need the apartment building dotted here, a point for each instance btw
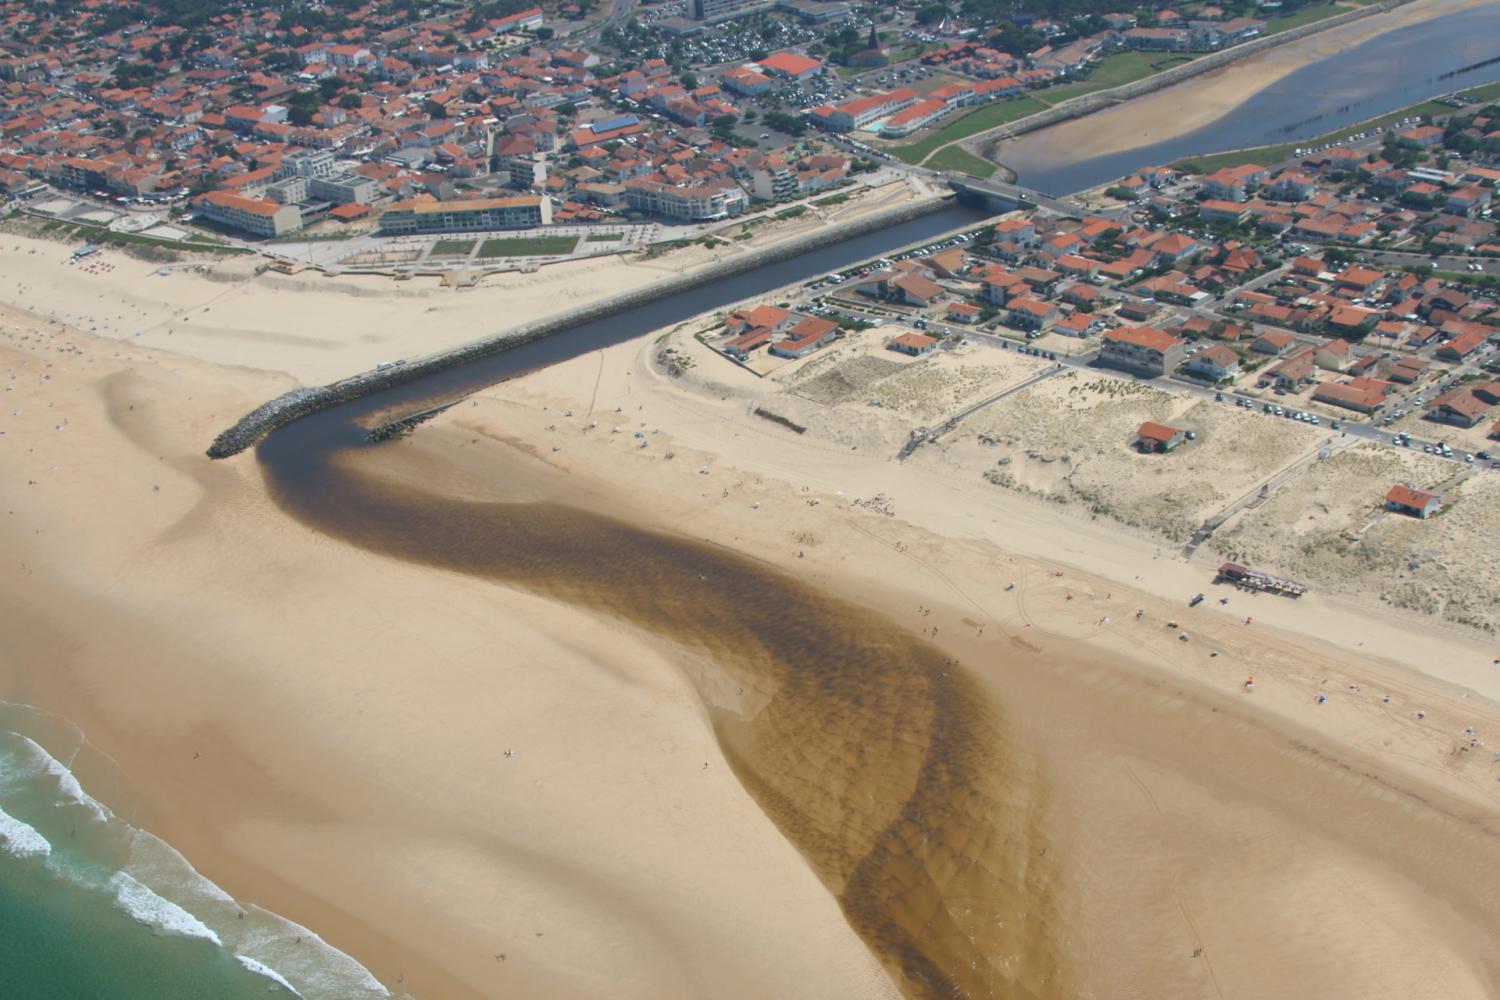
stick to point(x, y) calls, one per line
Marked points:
point(1142, 350)
point(259, 218)
point(464, 216)
point(344, 188)
point(862, 111)
point(712, 11)
point(695, 203)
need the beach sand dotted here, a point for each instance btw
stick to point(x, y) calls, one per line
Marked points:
point(350, 712)
point(1203, 100)
point(317, 328)
point(322, 731)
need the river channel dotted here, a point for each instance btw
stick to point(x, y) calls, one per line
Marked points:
point(1391, 71)
point(870, 750)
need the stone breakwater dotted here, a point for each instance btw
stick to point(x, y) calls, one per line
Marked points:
point(1087, 104)
point(306, 400)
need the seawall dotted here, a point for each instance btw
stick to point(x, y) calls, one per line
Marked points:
point(306, 400)
point(1087, 104)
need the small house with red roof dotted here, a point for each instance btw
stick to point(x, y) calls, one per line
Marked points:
point(1405, 499)
point(1154, 437)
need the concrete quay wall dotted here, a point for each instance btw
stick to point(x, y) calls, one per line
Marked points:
point(306, 400)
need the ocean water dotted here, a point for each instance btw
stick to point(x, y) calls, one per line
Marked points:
point(92, 907)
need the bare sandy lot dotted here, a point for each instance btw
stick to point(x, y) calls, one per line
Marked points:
point(1329, 527)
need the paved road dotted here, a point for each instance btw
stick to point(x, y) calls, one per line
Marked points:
point(1486, 265)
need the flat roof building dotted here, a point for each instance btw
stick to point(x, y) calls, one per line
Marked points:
point(477, 215)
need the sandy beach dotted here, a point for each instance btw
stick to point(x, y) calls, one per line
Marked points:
point(316, 328)
point(1202, 100)
point(322, 729)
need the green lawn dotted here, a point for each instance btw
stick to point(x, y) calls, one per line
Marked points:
point(1306, 15)
point(986, 117)
point(528, 246)
point(1488, 92)
point(960, 159)
point(452, 248)
point(1114, 71)
point(604, 237)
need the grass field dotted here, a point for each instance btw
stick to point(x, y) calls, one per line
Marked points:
point(528, 246)
point(1114, 71)
point(1307, 15)
point(604, 237)
point(105, 237)
point(986, 117)
point(960, 159)
point(452, 248)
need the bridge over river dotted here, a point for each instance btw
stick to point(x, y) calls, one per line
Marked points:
point(1000, 196)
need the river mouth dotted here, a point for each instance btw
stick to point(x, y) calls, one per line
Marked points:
point(870, 749)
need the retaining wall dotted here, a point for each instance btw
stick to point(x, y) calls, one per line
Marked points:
point(306, 400)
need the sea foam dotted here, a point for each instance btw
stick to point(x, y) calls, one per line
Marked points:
point(158, 887)
point(20, 840)
point(33, 761)
point(149, 908)
point(268, 972)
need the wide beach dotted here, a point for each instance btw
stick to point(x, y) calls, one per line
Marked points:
point(325, 729)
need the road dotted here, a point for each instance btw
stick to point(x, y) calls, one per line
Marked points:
point(1486, 265)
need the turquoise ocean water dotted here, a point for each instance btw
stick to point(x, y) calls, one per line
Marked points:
point(92, 908)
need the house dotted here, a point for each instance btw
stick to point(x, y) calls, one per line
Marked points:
point(1333, 356)
point(1078, 324)
point(1219, 210)
point(1359, 279)
point(1408, 370)
point(1422, 135)
point(1289, 376)
point(806, 337)
point(1152, 436)
point(772, 318)
point(1233, 183)
point(1175, 247)
point(1137, 310)
point(913, 289)
point(740, 347)
point(1461, 347)
point(913, 344)
point(1215, 363)
point(1273, 342)
point(1409, 500)
point(1461, 408)
point(1026, 313)
point(1365, 395)
point(1142, 350)
point(963, 312)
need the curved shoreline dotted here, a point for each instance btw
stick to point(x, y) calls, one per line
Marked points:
point(1087, 104)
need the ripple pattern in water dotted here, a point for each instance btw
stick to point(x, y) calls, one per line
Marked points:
point(873, 754)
